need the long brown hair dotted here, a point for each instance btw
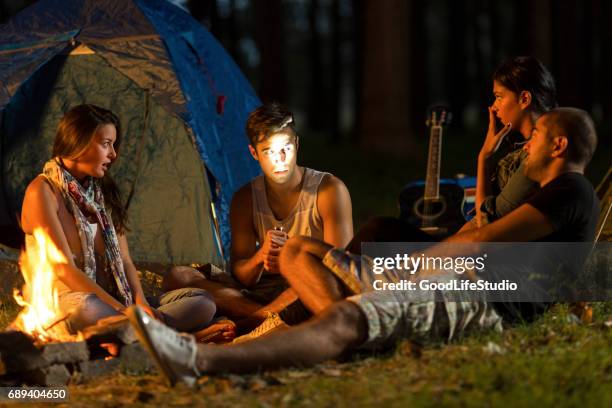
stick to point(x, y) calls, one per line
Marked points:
point(75, 132)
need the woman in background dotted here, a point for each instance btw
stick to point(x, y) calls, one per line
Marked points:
point(523, 90)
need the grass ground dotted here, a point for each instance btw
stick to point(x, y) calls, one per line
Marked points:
point(556, 361)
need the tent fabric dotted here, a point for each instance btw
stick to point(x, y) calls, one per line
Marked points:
point(19, 61)
point(157, 48)
point(171, 192)
point(197, 55)
point(145, 62)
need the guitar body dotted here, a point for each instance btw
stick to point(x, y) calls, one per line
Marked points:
point(437, 206)
point(440, 217)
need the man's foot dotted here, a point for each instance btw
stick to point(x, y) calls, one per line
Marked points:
point(173, 352)
point(272, 323)
point(220, 331)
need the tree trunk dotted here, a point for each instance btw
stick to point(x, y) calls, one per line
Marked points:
point(233, 34)
point(602, 79)
point(205, 11)
point(568, 59)
point(358, 40)
point(456, 68)
point(336, 74)
point(318, 95)
point(538, 29)
point(385, 103)
point(419, 75)
point(269, 35)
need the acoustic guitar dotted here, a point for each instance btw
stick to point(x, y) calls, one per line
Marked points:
point(438, 207)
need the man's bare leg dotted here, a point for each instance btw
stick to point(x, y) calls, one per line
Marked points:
point(228, 300)
point(301, 264)
point(283, 300)
point(336, 330)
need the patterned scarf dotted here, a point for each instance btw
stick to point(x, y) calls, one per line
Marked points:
point(86, 202)
point(507, 166)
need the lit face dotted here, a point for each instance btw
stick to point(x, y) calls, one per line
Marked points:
point(539, 150)
point(97, 157)
point(507, 106)
point(277, 156)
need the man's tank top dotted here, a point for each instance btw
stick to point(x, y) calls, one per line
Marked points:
point(304, 219)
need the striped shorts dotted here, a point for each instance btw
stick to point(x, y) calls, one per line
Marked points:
point(432, 316)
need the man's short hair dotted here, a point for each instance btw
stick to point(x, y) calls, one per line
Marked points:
point(267, 120)
point(579, 129)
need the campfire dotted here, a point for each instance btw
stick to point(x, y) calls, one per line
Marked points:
point(37, 348)
point(41, 317)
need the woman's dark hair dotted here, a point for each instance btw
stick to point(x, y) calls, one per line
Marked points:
point(75, 132)
point(528, 74)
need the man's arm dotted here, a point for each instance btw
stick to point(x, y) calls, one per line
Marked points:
point(526, 223)
point(335, 208)
point(246, 260)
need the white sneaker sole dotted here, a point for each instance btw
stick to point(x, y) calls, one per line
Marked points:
point(143, 336)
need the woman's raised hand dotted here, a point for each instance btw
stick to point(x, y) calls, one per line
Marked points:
point(493, 138)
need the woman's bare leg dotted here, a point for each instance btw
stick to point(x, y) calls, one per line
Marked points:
point(228, 300)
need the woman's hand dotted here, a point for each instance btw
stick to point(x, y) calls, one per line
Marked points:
point(493, 139)
point(151, 311)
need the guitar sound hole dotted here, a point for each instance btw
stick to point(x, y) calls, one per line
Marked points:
point(429, 209)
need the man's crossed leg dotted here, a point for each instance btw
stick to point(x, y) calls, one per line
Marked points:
point(300, 264)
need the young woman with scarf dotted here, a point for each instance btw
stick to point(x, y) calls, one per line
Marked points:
point(77, 204)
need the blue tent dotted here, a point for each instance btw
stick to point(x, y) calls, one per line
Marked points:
point(182, 100)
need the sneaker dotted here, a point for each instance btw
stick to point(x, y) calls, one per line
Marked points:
point(271, 323)
point(173, 352)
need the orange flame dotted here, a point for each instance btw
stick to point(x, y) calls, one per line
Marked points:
point(41, 313)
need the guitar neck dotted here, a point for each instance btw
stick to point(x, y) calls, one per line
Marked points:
point(432, 180)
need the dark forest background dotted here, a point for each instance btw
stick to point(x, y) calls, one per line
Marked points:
point(363, 72)
point(367, 70)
